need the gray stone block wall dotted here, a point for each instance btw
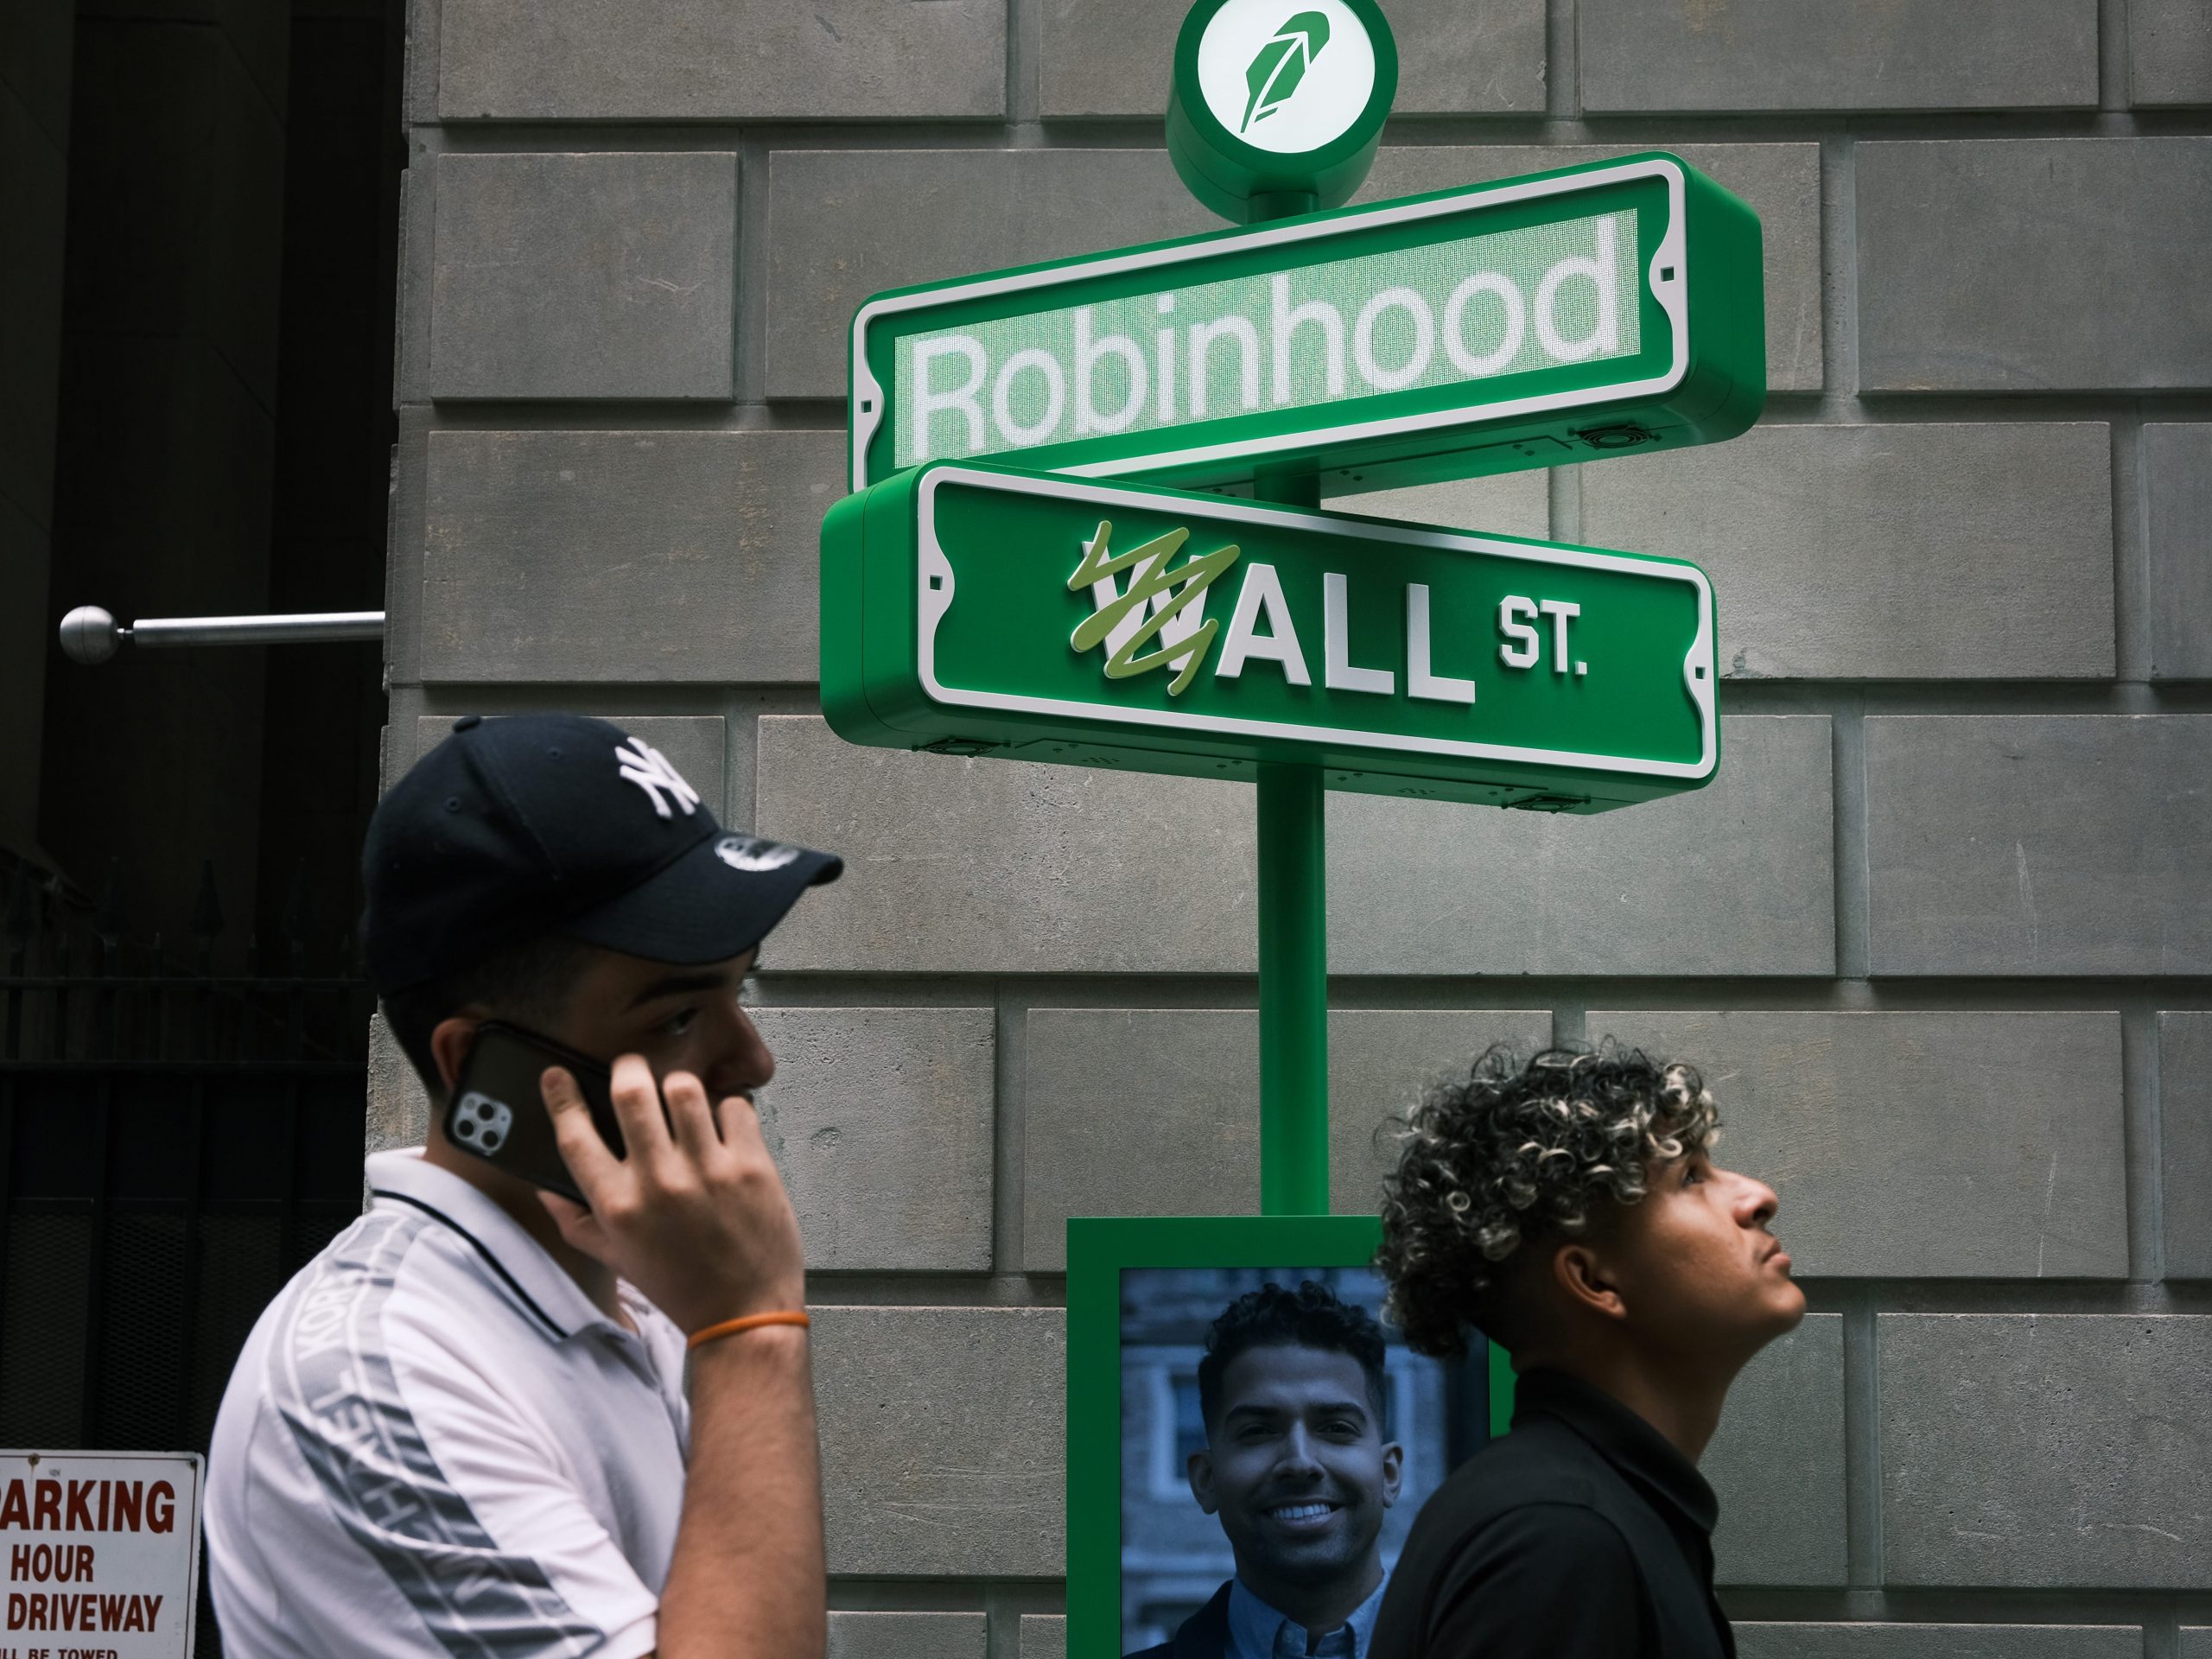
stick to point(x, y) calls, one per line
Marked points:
point(943, 1450)
point(908, 1635)
point(1778, 1465)
point(2027, 844)
point(2170, 52)
point(583, 276)
point(399, 1107)
point(2027, 1451)
point(1732, 878)
point(2024, 1161)
point(1909, 1641)
point(2177, 489)
point(1112, 57)
point(979, 868)
point(2184, 1058)
point(1864, 54)
point(1948, 230)
point(881, 1124)
point(850, 59)
point(716, 579)
point(1182, 1138)
point(1938, 932)
point(1816, 538)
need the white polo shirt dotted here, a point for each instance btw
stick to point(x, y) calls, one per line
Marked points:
point(434, 1443)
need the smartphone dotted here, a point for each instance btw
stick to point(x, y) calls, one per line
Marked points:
point(498, 1109)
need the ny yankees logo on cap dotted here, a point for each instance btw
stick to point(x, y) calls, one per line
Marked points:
point(649, 771)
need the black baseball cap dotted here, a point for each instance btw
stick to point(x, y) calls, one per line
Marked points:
point(561, 823)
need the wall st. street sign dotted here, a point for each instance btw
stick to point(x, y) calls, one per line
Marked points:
point(975, 609)
point(1522, 323)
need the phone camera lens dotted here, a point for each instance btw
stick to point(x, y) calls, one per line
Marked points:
point(491, 1141)
point(465, 1127)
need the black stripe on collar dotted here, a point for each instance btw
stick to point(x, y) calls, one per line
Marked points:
point(482, 1249)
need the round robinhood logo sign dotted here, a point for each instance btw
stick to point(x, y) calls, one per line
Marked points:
point(1276, 106)
point(1287, 76)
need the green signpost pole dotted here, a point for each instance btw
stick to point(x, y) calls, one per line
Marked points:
point(1292, 886)
point(1294, 995)
point(1293, 899)
point(1293, 966)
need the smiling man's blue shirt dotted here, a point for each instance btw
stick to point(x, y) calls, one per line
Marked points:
point(1258, 1632)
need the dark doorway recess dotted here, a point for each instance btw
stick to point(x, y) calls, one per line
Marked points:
point(224, 430)
point(197, 419)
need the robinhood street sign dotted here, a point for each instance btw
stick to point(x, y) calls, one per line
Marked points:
point(978, 610)
point(1522, 323)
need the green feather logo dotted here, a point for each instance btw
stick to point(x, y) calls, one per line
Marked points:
point(1281, 63)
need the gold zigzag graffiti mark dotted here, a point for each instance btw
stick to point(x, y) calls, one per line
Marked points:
point(1150, 583)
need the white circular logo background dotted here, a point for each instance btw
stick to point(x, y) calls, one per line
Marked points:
point(753, 855)
point(1325, 101)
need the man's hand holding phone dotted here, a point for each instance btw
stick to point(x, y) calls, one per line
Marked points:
point(694, 1214)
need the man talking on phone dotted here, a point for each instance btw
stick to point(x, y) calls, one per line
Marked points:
point(465, 1427)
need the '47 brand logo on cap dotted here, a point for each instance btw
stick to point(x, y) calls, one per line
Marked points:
point(754, 855)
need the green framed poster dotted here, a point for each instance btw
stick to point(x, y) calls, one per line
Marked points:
point(1307, 1454)
point(978, 610)
point(1526, 322)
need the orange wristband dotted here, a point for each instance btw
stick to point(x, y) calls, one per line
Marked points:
point(750, 1322)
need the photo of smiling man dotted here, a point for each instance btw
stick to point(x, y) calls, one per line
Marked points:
point(1294, 1459)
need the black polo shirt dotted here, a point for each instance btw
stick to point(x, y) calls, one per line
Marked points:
point(1583, 1534)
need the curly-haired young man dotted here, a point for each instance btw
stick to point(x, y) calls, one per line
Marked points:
point(1570, 1210)
point(1297, 1470)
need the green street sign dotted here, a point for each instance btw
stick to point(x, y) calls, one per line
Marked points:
point(1277, 105)
point(977, 610)
point(1524, 323)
